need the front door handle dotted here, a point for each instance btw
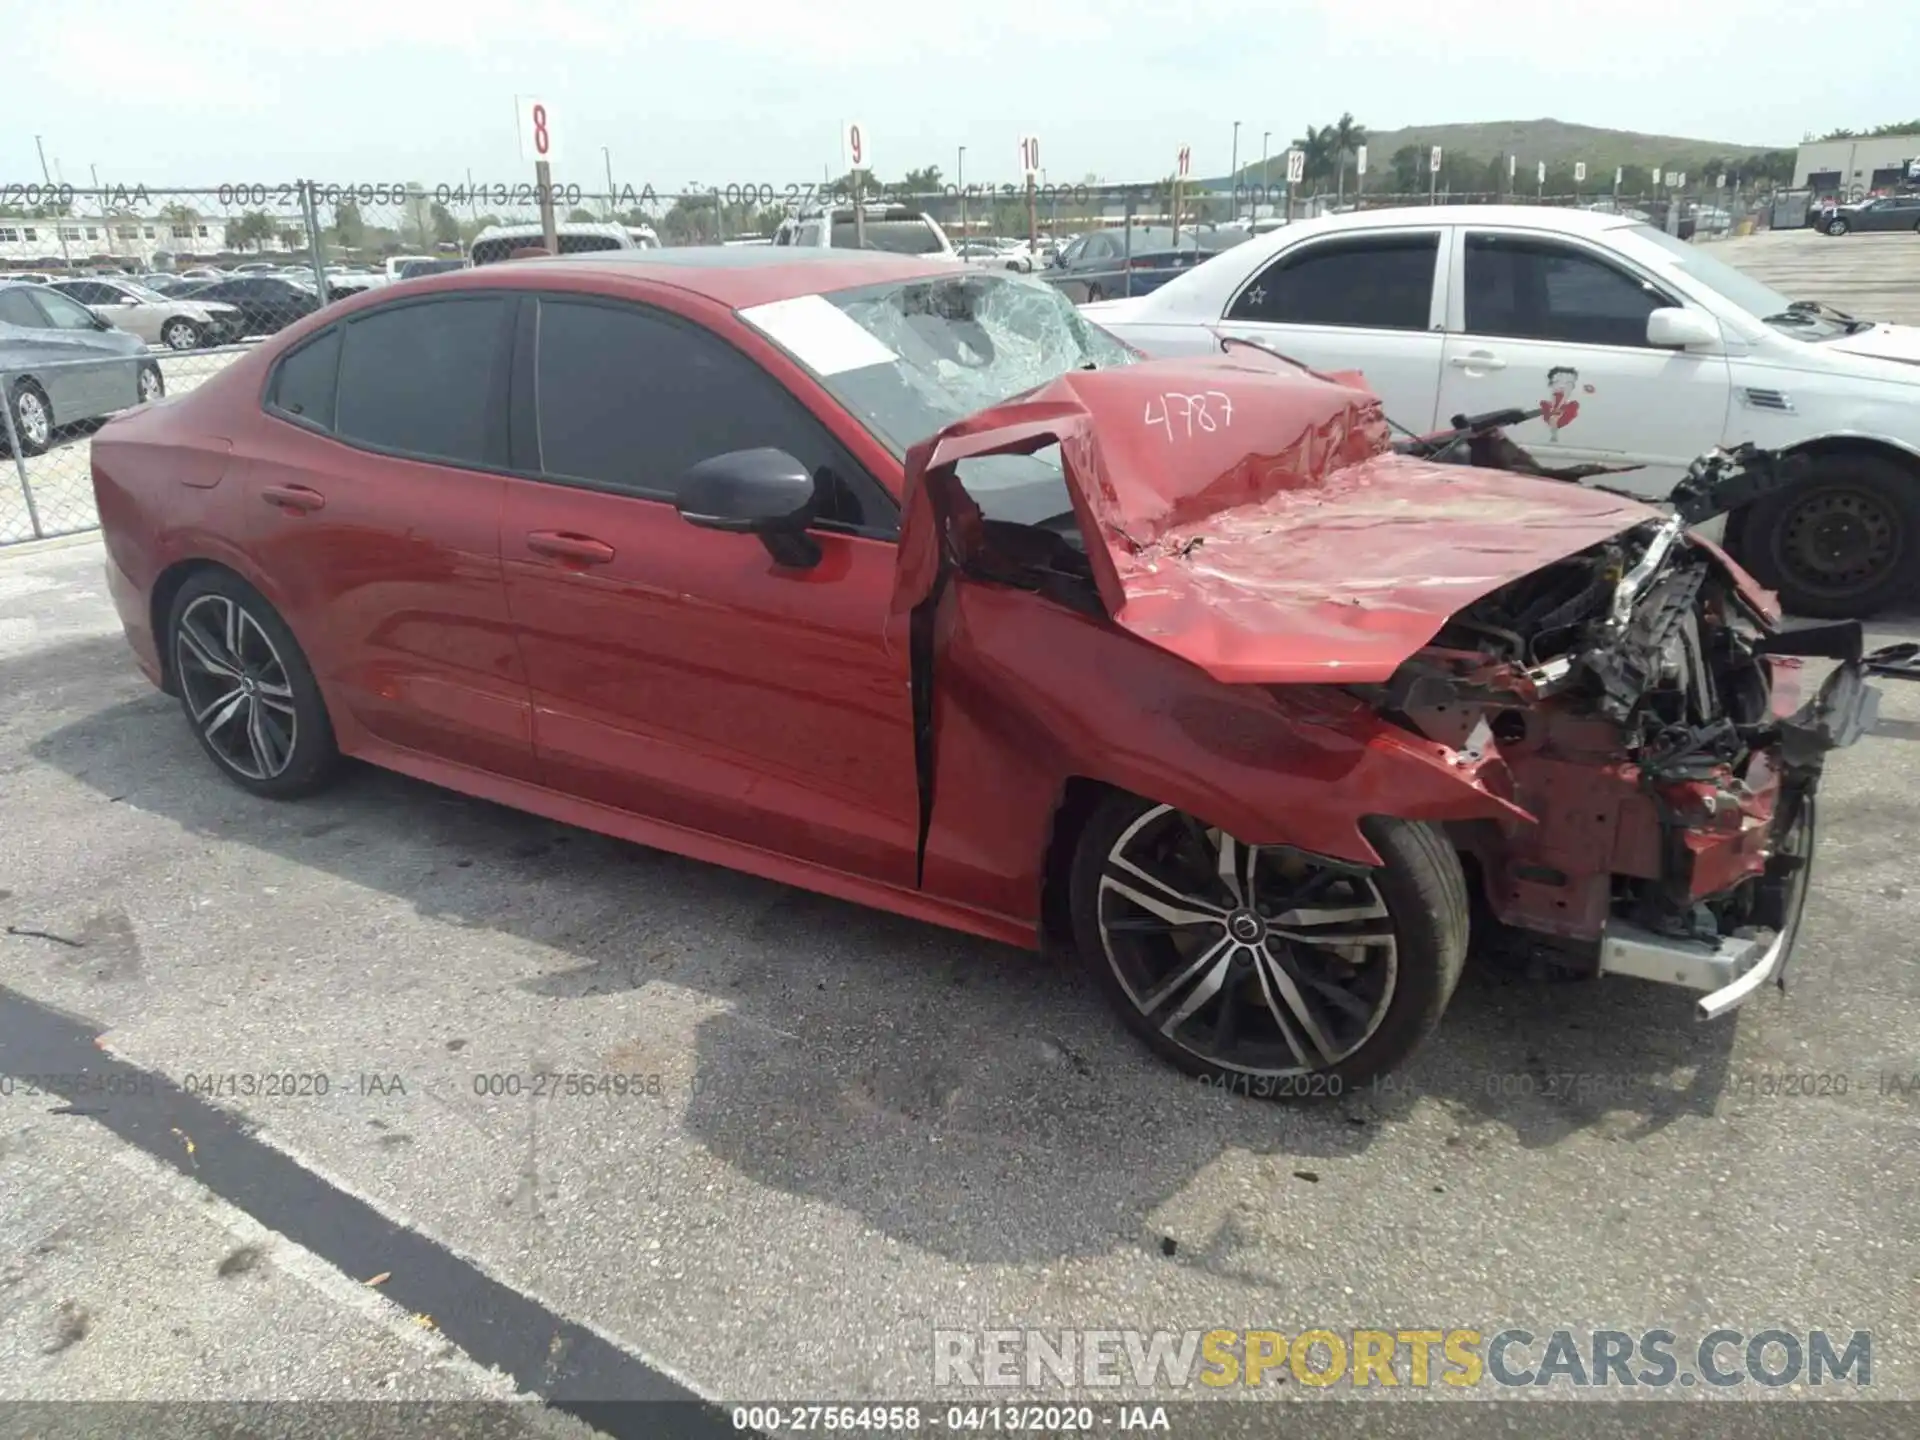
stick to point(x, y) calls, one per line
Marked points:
point(1478, 360)
point(563, 545)
point(293, 497)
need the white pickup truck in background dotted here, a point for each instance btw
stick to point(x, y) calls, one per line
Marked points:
point(1633, 347)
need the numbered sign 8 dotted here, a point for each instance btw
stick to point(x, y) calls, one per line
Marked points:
point(1296, 166)
point(537, 141)
point(856, 146)
point(1030, 156)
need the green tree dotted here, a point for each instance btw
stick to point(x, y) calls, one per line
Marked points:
point(446, 229)
point(922, 182)
point(580, 215)
point(251, 228)
point(348, 228)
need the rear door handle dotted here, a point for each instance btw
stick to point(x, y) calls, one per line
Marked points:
point(1478, 360)
point(564, 546)
point(293, 497)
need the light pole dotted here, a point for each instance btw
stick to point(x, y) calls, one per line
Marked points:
point(960, 184)
point(1234, 170)
point(1266, 177)
point(607, 155)
point(47, 175)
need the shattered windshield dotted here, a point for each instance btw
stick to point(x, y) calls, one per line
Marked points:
point(908, 358)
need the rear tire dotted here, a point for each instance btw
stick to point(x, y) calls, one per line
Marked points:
point(1843, 543)
point(152, 385)
point(1332, 976)
point(247, 690)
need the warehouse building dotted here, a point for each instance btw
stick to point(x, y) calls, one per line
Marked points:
point(1858, 167)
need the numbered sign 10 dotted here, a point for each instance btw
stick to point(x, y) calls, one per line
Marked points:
point(856, 146)
point(1030, 156)
point(537, 139)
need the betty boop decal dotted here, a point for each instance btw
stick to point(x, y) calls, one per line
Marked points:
point(1560, 409)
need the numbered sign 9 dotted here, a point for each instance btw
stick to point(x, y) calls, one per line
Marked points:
point(856, 146)
point(1296, 166)
point(1030, 156)
point(537, 139)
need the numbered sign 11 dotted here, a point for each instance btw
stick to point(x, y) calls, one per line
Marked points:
point(537, 139)
point(1185, 167)
point(856, 146)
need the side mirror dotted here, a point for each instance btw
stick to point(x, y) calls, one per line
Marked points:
point(762, 492)
point(1671, 328)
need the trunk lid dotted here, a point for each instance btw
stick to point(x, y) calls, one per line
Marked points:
point(1251, 519)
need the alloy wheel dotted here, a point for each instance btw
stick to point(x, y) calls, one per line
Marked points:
point(236, 687)
point(31, 415)
point(150, 386)
point(1838, 539)
point(181, 335)
point(1259, 960)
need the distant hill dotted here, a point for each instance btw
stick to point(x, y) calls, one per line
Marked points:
point(1554, 141)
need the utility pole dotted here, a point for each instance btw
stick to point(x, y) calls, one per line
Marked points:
point(1234, 171)
point(961, 186)
point(100, 199)
point(1266, 179)
point(47, 175)
point(607, 155)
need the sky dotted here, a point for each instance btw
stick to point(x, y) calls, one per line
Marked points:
point(209, 93)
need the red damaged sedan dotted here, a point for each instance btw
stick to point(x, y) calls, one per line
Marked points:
point(913, 587)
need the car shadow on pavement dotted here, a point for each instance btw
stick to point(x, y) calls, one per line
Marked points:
point(958, 1095)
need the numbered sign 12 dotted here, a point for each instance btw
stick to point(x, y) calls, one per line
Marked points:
point(537, 138)
point(1296, 166)
point(1030, 156)
point(856, 146)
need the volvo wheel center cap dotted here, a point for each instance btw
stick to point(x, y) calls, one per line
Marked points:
point(1245, 926)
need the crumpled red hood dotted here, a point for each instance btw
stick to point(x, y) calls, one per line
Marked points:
point(1252, 519)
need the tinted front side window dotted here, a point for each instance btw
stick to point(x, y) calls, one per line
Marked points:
point(64, 314)
point(633, 401)
point(418, 378)
point(1381, 282)
point(304, 384)
point(1537, 290)
point(17, 309)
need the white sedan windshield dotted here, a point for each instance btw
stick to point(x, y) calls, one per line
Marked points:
point(1758, 300)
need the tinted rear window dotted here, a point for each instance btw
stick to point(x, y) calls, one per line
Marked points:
point(417, 378)
point(901, 237)
point(304, 384)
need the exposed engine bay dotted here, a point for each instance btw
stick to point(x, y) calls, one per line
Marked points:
point(1642, 702)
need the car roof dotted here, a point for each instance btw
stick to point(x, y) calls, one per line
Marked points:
point(733, 275)
point(1541, 217)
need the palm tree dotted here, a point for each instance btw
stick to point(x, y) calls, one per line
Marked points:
point(1316, 148)
point(1347, 138)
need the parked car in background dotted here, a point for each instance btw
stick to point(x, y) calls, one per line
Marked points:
point(864, 573)
point(63, 364)
point(414, 269)
point(266, 303)
point(391, 267)
point(27, 277)
point(165, 282)
point(498, 242)
point(1098, 265)
point(1880, 213)
point(643, 237)
point(256, 267)
point(897, 229)
point(177, 323)
point(1634, 347)
point(204, 272)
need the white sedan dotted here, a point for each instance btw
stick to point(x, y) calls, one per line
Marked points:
point(155, 318)
point(1632, 348)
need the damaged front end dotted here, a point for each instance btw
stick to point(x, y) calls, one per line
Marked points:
point(1641, 702)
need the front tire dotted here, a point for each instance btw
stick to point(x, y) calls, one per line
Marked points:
point(150, 384)
point(1838, 227)
point(182, 335)
point(247, 690)
point(1264, 969)
point(32, 418)
point(1842, 544)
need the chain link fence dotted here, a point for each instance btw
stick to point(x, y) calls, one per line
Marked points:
point(167, 285)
